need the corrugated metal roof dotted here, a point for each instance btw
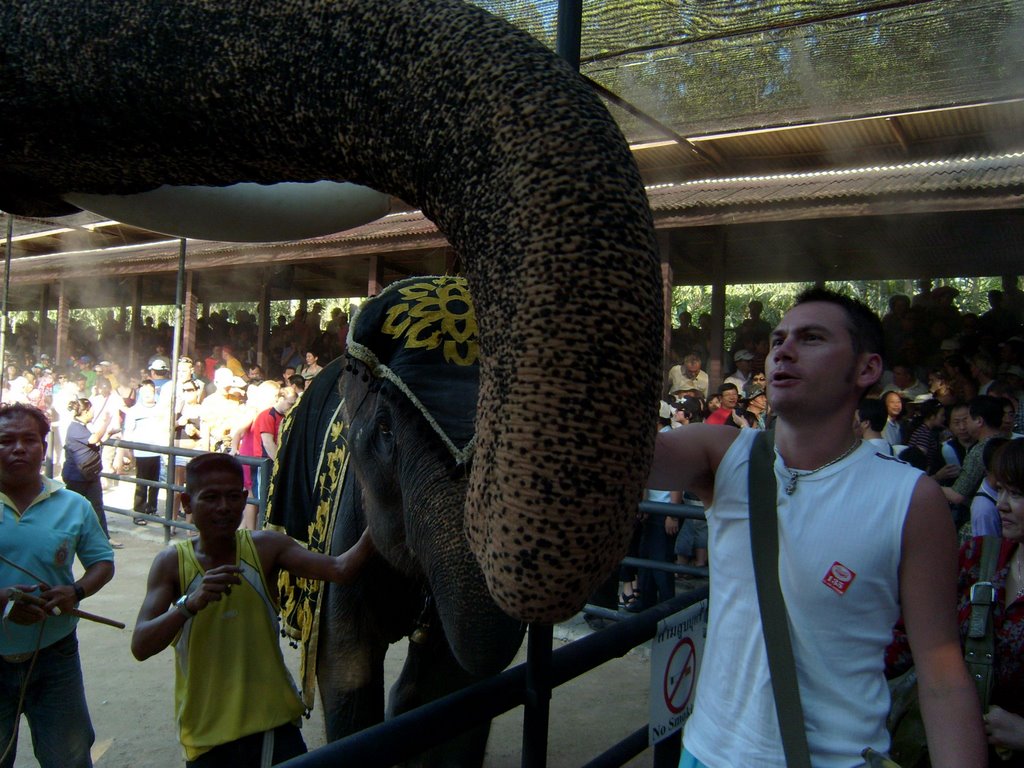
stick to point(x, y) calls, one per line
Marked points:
point(997, 173)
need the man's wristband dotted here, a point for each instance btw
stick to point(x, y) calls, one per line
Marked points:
point(181, 606)
point(79, 592)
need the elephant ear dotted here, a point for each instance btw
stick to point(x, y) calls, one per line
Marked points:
point(421, 335)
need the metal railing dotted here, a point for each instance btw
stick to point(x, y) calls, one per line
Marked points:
point(528, 685)
point(169, 454)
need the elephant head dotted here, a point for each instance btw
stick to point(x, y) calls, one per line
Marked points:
point(437, 102)
point(410, 392)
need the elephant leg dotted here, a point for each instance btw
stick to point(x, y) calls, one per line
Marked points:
point(351, 682)
point(430, 672)
point(350, 665)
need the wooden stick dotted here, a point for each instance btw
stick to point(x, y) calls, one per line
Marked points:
point(19, 596)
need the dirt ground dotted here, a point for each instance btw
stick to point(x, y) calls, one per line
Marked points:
point(131, 702)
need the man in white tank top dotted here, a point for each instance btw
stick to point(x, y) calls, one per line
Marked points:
point(862, 537)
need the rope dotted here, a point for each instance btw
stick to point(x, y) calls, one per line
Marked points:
point(21, 697)
point(26, 571)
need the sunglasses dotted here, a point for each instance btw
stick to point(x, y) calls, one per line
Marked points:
point(190, 389)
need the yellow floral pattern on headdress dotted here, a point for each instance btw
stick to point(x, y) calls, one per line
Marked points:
point(438, 313)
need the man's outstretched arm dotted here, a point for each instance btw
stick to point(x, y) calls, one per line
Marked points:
point(928, 573)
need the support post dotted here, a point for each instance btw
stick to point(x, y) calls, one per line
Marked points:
point(4, 319)
point(44, 319)
point(63, 324)
point(136, 326)
point(665, 248)
point(716, 344)
point(569, 31)
point(375, 282)
point(536, 711)
point(263, 326)
point(190, 318)
point(172, 415)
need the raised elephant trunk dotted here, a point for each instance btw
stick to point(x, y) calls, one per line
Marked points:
point(449, 108)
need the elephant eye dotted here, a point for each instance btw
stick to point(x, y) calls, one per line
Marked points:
point(384, 428)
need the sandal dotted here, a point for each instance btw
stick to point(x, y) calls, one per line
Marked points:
point(140, 521)
point(629, 601)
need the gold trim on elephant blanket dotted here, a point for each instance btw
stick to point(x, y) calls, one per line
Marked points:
point(420, 334)
point(300, 599)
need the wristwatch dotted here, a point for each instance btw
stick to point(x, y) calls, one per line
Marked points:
point(181, 606)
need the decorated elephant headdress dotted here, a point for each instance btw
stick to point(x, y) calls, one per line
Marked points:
point(421, 334)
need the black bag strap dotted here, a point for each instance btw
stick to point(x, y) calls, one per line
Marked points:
point(762, 493)
point(979, 646)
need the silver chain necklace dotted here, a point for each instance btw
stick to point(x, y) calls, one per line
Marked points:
point(795, 474)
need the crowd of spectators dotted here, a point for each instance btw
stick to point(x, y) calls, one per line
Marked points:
point(952, 393)
point(219, 401)
point(949, 403)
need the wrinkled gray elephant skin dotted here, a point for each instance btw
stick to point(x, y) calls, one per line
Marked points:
point(449, 108)
point(400, 481)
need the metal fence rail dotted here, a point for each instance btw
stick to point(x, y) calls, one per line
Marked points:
point(167, 463)
point(528, 685)
point(434, 723)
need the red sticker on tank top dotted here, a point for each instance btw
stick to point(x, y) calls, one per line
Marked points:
point(839, 578)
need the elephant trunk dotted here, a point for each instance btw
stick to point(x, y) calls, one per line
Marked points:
point(483, 639)
point(449, 108)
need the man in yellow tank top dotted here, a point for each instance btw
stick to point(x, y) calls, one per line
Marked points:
point(215, 599)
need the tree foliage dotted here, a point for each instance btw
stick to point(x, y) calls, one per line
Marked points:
point(719, 65)
point(779, 297)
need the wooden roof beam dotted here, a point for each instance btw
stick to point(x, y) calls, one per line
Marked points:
point(899, 133)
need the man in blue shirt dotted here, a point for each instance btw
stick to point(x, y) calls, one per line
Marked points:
point(43, 527)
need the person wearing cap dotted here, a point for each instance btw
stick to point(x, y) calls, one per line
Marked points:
point(949, 347)
point(757, 380)
point(744, 360)
point(160, 374)
point(221, 411)
point(85, 368)
point(146, 422)
point(755, 409)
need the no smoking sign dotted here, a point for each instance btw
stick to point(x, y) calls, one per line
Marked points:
point(675, 663)
point(680, 676)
